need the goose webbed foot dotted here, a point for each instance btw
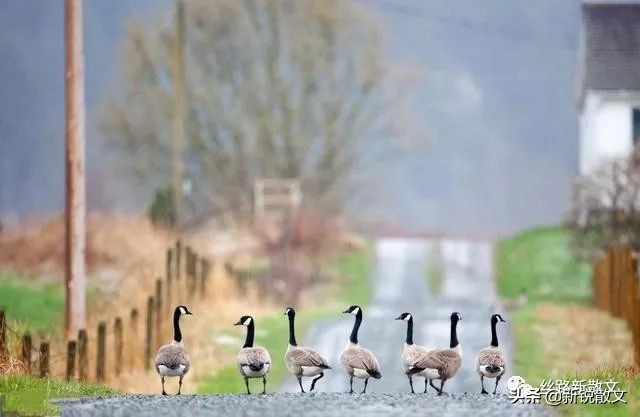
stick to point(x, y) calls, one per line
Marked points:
point(484, 391)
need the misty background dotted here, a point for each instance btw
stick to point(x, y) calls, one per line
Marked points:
point(493, 95)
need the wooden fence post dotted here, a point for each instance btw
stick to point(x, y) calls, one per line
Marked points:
point(159, 310)
point(100, 357)
point(148, 334)
point(134, 337)
point(83, 358)
point(178, 259)
point(44, 359)
point(118, 345)
point(26, 352)
point(192, 276)
point(3, 335)
point(204, 277)
point(71, 360)
point(167, 276)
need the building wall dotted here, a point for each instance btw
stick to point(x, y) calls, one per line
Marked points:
point(605, 128)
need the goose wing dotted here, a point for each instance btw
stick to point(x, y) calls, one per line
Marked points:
point(491, 357)
point(255, 358)
point(172, 356)
point(440, 359)
point(413, 355)
point(361, 358)
point(304, 356)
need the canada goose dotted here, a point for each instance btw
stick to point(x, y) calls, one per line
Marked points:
point(358, 361)
point(413, 355)
point(302, 361)
point(172, 359)
point(443, 364)
point(253, 362)
point(490, 361)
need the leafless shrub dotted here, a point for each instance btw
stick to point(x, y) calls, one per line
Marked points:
point(605, 207)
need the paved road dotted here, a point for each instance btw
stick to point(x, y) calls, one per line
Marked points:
point(400, 285)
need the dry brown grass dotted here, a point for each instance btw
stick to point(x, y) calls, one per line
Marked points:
point(581, 339)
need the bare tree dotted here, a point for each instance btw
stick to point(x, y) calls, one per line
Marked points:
point(274, 88)
point(605, 208)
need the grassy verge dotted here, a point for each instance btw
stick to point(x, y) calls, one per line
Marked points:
point(35, 306)
point(557, 334)
point(30, 396)
point(540, 261)
point(354, 268)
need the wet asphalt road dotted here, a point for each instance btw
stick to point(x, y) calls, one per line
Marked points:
point(399, 285)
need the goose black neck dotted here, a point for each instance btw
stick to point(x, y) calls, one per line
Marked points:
point(409, 340)
point(356, 326)
point(177, 334)
point(248, 342)
point(454, 334)
point(494, 334)
point(292, 330)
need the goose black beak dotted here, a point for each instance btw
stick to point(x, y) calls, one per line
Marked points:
point(239, 323)
point(346, 311)
point(399, 318)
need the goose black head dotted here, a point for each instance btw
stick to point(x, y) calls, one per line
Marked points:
point(404, 316)
point(455, 316)
point(496, 318)
point(183, 310)
point(289, 311)
point(244, 321)
point(355, 310)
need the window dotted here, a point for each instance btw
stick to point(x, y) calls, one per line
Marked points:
point(636, 126)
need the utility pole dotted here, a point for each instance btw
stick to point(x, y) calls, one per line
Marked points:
point(178, 112)
point(75, 210)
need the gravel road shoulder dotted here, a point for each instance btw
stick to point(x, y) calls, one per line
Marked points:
point(310, 405)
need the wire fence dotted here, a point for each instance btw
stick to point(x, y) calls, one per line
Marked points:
point(118, 343)
point(616, 289)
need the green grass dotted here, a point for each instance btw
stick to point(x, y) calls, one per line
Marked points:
point(630, 383)
point(35, 306)
point(540, 261)
point(271, 331)
point(30, 396)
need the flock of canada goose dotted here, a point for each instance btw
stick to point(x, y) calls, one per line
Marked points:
point(417, 361)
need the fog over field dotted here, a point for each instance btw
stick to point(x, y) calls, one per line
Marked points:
point(493, 96)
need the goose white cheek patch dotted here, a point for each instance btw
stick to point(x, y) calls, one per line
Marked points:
point(247, 322)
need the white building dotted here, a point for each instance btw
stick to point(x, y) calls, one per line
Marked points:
point(609, 81)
